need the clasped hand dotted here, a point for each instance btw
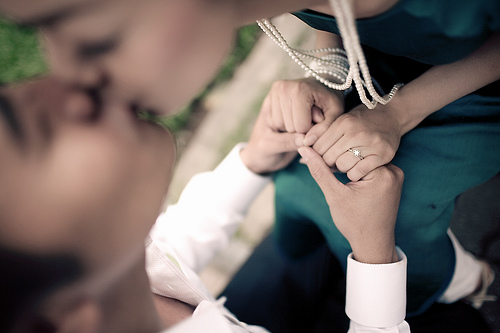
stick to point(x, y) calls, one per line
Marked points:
point(299, 114)
point(306, 106)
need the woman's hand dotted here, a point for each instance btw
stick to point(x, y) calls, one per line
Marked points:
point(361, 140)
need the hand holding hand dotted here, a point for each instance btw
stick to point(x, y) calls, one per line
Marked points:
point(298, 105)
point(268, 149)
point(363, 211)
point(374, 135)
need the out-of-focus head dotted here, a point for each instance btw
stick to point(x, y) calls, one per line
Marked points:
point(156, 54)
point(82, 183)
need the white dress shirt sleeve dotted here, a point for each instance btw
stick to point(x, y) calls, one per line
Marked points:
point(211, 317)
point(209, 211)
point(376, 296)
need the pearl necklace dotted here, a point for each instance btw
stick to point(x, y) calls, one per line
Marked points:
point(346, 66)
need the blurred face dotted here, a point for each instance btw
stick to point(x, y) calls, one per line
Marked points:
point(156, 54)
point(77, 175)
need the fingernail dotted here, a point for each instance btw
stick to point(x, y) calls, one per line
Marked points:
point(299, 140)
point(310, 140)
point(304, 154)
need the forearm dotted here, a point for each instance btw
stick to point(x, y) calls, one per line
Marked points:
point(209, 211)
point(444, 84)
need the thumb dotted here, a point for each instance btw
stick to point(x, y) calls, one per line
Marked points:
point(317, 114)
point(283, 142)
point(320, 171)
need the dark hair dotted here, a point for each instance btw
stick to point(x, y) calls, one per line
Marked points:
point(25, 281)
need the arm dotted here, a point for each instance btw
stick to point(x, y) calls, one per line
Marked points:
point(443, 84)
point(365, 213)
point(377, 133)
point(214, 203)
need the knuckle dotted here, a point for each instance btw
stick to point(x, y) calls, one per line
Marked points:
point(390, 177)
point(289, 127)
point(361, 169)
point(347, 120)
point(278, 85)
point(353, 175)
point(400, 175)
point(341, 165)
point(330, 160)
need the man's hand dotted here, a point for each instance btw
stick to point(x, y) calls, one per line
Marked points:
point(269, 149)
point(363, 211)
point(298, 105)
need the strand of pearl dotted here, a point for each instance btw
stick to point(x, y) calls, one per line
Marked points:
point(347, 27)
point(329, 64)
point(297, 54)
point(338, 62)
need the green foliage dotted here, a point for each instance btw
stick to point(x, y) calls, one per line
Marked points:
point(20, 54)
point(246, 38)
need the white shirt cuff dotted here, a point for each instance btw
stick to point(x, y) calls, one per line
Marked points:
point(238, 183)
point(376, 294)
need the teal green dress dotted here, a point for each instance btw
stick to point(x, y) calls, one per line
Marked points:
point(454, 149)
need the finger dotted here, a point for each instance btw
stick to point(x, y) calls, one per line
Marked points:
point(364, 167)
point(286, 106)
point(283, 142)
point(328, 139)
point(346, 161)
point(266, 112)
point(316, 132)
point(336, 150)
point(302, 109)
point(397, 171)
point(277, 117)
point(317, 114)
point(321, 172)
point(332, 106)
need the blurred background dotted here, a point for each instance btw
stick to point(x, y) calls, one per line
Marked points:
point(223, 115)
point(209, 126)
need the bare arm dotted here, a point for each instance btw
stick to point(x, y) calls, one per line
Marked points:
point(377, 133)
point(444, 84)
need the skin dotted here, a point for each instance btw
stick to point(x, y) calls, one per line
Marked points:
point(78, 179)
point(89, 180)
point(131, 51)
point(70, 142)
point(95, 185)
point(377, 133)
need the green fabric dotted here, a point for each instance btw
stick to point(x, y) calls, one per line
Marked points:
point(428, 31)
point(451, 151)
point(439, 164)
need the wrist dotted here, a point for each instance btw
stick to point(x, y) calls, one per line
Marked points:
point(408, 111)
point(253, 163)
point(383, 252)
point(247, 160)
